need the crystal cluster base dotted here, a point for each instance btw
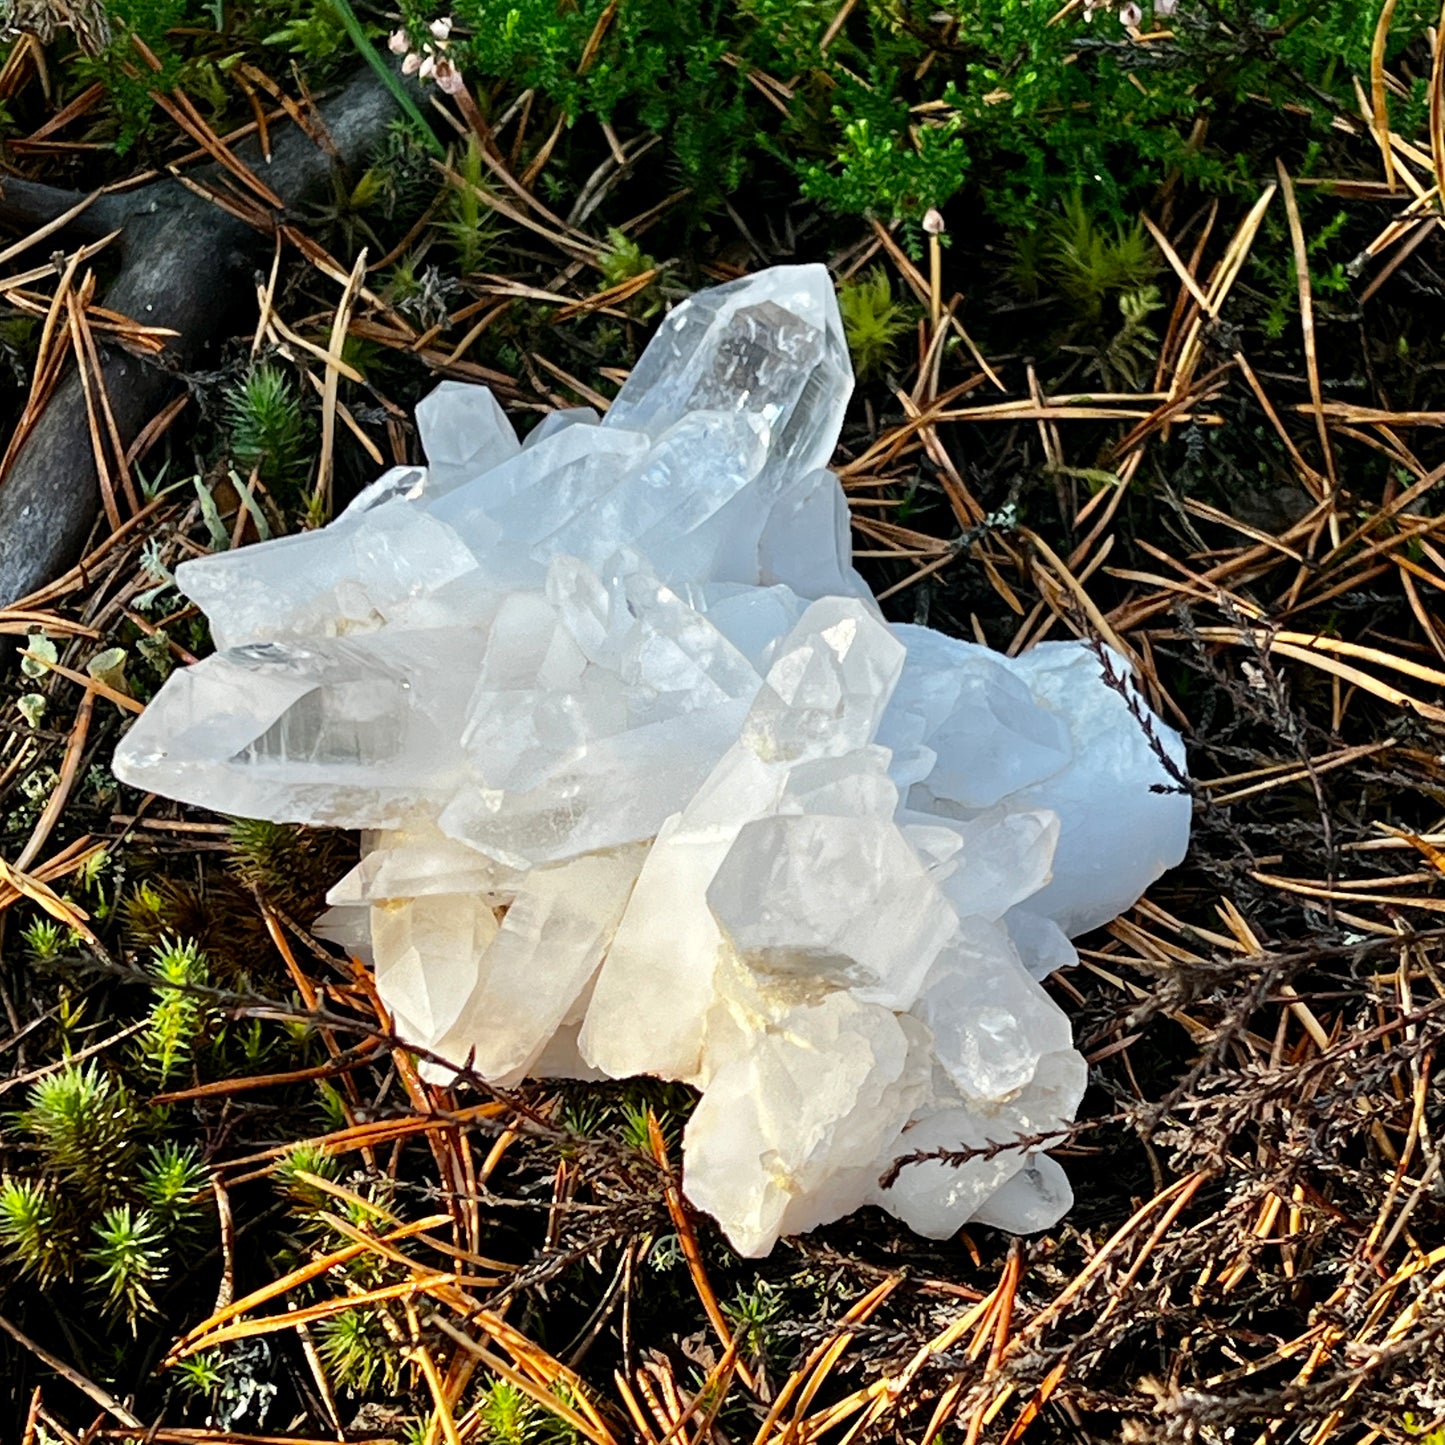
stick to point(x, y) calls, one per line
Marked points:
point(648, 785)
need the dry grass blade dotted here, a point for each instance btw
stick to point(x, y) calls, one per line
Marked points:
point(69, 767)
point(180, 109)
point(95, 382)
point(555, 231)
point(887, 1391)
point(41, 233)
point(200, 1336)
point(1437, 108)
point(339, 328)
point(48, 362)
point(1307, 326)
point(70, 858)
point(1312, 479)
point(805, 1382)
point(1185, 275)
point(226, 1088)
point(1317, 651)
point(1378, 98)
point(270, 1324)
point(579, 1415)
point(608, 301)
point(1080, 595)
point(333, 361)
point(40, 893)
point(1221, 283)
point(83, 1383)
point(1186, 1187)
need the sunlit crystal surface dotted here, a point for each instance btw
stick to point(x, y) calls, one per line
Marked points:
point(648, 786)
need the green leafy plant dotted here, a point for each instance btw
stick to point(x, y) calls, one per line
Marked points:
point(289, 866)
point(1422, 1431)
point(302, 1159)
point(93, 870)
point(622, 259)
point(314, 33)
point(669, 1104)
point(654, 64)
point(83, 1124)
point(1129, 353)
point(1087, 260)
point(469, 224)
point(753, 1313)
point(902, 170)
point(268, 429)
point(202, 1374)
point(98, 1203)
point(29, 1229)
point(129, 1258)
point(130, 88)
point(170, 1179)
point(509, 1416)
point(358, 1352)
point(44, 938)
point(402, 169)
point(911, 103)
point(636, 1128)
point(1273, 272)
point(179, 1016)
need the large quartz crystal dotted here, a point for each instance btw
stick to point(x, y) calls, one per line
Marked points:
point(648, 785)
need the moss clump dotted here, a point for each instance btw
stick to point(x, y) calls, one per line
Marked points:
point(873, 322)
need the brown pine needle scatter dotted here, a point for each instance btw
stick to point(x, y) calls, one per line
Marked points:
point(1255, 1253)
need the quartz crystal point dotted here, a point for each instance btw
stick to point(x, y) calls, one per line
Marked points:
point(648, 786)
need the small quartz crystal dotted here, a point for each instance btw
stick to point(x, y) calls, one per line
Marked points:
point(648, 785)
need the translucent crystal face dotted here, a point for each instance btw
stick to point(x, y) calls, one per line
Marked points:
point(650, 786)
point(768, 347)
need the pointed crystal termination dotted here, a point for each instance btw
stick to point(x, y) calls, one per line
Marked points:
point(465, 433)
point(770, 346)
point(649, 786)
point(360, 734)
point(366, 569)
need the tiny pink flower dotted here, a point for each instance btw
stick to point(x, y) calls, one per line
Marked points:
point(1163, 9)
point(427, 67)
point(448, 77)
point(411, 64)
point(397, 43)
point(1130, 15)
point(441, 28)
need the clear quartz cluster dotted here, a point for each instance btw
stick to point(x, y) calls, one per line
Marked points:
point(648, 786)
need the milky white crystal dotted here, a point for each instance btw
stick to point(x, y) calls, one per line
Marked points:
point(650, 787)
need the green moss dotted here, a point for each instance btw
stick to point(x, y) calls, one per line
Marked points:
point(180, 1017)
point(269, 432)
point(873, 322)
point(291, 867)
